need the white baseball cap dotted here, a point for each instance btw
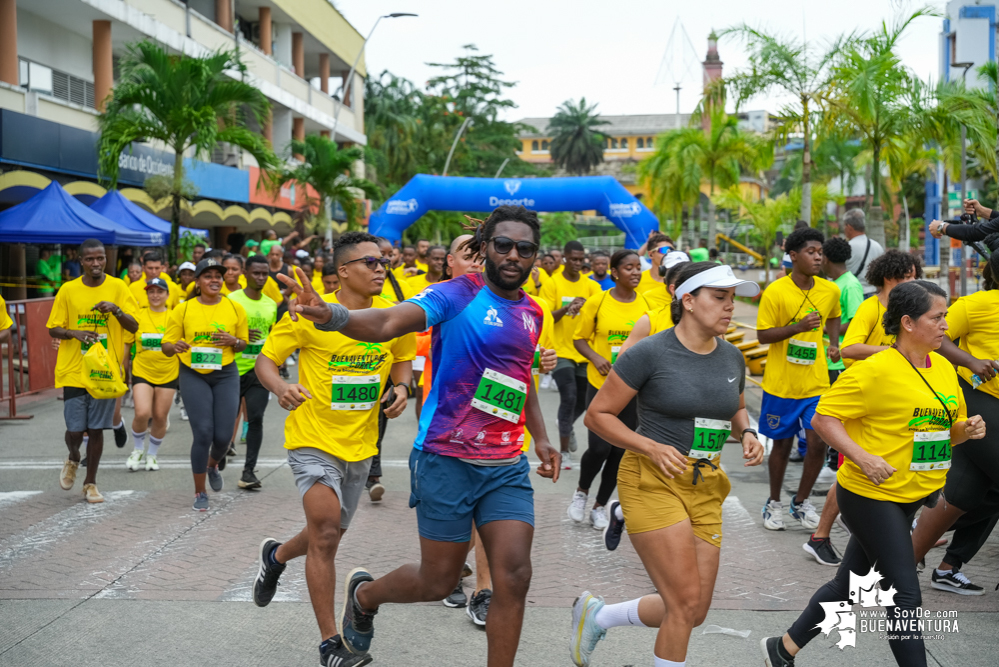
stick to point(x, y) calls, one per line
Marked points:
point(186, 266)
point(302, 254)
point(721, 277)
point(674, 257)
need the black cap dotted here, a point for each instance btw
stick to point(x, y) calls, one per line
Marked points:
point(205, 264)
point(157, 282)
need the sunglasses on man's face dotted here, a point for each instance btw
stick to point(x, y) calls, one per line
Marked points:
point(371, 262)
point(664, 250)
point(505, 246)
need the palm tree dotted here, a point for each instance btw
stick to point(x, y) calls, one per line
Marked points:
point(717, 156)
point(765, 216)
point(907, 156)
point(869, 94)
point(671, 187)
point(577, 146)
point(328, 170)
point(785, 65)
point(186, 103)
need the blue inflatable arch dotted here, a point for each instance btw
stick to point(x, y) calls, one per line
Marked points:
point(449, 193)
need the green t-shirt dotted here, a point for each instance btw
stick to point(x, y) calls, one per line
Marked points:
point(265, 246)
point(851, 295)
point(260, 315)
point(698, 254)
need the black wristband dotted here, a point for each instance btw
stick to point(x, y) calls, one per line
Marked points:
point(338, 318)
point(742, 436)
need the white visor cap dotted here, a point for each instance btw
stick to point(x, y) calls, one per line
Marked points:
point(719, 277)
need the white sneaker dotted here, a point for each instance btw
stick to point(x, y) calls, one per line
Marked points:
point(826, 476)
point(135, 460)
point(546, 381)
point(152, 463)
point(773, 515)
point(598, 517)
point(805, 514)
point(291, 361)
point(566, 460)
point(168, 423)
point(573, 446)
point(577, 508)
point(842, 524)
point(183, 413)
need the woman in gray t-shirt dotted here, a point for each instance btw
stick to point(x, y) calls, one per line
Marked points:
point(689, 386)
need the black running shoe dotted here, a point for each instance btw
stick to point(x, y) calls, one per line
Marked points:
point(771, 654)
point(337, 655)
point(266, 583)
point(478, 608)
point(248, 480)
point(356, 624)
point(615, 526)
point(83, 462)
point(222, 462)
point(955, 582)
point(232, 449)
point(457, 599)
point(120, 436)
point(821, 550)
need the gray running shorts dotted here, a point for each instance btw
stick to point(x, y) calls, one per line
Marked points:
point(83, 412)
point(346, 478)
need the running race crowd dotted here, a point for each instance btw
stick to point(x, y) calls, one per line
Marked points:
point(866, 362)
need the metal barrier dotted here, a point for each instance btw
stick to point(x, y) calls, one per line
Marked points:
point(29, 357)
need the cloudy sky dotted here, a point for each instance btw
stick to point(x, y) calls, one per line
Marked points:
point(611, 53)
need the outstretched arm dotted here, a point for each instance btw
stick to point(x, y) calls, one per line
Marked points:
point(373, 325)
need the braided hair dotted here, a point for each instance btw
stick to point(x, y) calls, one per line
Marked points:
point(484, 230)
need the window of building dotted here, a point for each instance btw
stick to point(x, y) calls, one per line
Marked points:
point(640, 143)
point(612, 143)
point(42, 79)
point(649, 143)
point(624, 142)
point(534, 146)
point(544, 144)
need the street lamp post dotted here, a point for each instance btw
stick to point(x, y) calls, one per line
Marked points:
point(468, 121)
point(964, 185)
point(345, 87)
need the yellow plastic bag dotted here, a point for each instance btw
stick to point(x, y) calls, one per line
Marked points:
point(101, 376)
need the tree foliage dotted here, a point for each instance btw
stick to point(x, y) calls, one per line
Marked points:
point(577, 145)
point(186, 103)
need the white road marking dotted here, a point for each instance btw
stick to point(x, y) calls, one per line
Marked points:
point(61, 525)
point(11, 497)
point(178, 463)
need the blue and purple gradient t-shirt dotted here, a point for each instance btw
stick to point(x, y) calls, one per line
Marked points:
point(477, 405)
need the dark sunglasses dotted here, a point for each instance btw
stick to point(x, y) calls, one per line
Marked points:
point(504, 246)
point(371, 262)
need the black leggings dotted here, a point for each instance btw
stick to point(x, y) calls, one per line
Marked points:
point(256, 402)
point(212, 402)
point(572, 396)
point(880, 538)
point(601, 454)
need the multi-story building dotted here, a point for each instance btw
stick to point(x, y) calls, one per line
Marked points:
point(967, 41)
point(59, 61)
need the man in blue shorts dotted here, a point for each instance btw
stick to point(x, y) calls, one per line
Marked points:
point(794, 312)
point(467, 462)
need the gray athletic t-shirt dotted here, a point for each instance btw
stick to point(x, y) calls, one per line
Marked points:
point(675, 386)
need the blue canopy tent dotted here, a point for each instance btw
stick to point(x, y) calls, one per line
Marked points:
point(115, 207)
point(446, 193)
point(54, 216)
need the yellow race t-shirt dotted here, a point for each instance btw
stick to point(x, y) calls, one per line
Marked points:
point(150, 363)
point(138, 290)
point(648, 283)
point(531, 288)
point(886, 408)
point(604, 323)
point(417, 283)
point(660, 319)
point(194, 323)
point(658, 298)
point(345, 378)
point(546, 341)
point(73, 309)
point(796, 366)
point(866, 327)
point(388, 292)
point(5, 321)
point(975, 320)
point(558, 293)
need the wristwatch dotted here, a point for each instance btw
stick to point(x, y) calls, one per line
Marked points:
point(742, 436)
